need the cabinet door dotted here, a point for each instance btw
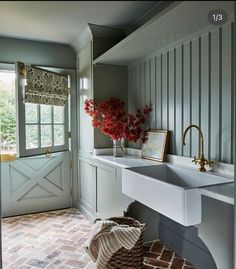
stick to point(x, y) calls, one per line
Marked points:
point(106, 194)
point(86, 187)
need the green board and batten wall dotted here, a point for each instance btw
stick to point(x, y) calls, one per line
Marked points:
point(190, 82)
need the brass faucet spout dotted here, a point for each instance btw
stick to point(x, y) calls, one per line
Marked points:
point(201, 160)
point(201, 137)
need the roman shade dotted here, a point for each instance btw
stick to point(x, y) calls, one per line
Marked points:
point(45, 87)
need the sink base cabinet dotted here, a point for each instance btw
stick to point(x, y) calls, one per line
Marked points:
point(86, 189)
point(105, 181)
point(100, 190)
point(109, 201)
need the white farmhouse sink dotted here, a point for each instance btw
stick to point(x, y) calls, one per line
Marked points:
point(171, 190)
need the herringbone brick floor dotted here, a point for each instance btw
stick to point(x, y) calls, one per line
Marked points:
point(56, 240)
point(158, 256)
point(52, 239)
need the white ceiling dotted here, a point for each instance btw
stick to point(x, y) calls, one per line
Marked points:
point(62, 21)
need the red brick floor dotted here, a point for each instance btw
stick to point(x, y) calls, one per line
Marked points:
point(56, 240)
point(158, 256)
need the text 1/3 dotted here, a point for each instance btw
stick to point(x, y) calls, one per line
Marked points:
point(217, 17)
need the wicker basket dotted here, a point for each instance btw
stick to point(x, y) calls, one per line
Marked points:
point(128, 259)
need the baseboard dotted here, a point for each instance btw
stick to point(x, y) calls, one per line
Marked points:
point(86, 213)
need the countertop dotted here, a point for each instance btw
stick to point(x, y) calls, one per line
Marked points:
point(125, 161)
point(223, 192)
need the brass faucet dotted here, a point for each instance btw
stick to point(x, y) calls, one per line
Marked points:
point(201, 159)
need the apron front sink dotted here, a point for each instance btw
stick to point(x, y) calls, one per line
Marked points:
point(171, 190)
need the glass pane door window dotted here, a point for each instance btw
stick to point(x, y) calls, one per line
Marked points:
point(45, 127)
point(41, 128)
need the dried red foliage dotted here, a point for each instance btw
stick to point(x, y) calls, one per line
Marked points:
point(112, 119)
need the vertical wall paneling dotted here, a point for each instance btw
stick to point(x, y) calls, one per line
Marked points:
point(143, 84)
point(138, 85)
point(195, 95)
point(165, 90)
point(215, 94)
point(153, 92)
point(187, 97)
point(226, 117)
point(147, 99)
point(205, 91)
point(147, 83)
point(158, 84)
point(131, 95)
point(135, 88)
point(179, 103)
point(233, 89)
point(171, 105)
point(191, 83)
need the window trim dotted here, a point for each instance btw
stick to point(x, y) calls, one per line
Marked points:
point(20, 109)
point(42, 150)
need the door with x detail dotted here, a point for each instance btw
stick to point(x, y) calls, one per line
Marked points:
point(36, 184)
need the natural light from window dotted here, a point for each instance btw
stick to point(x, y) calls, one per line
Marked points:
point(7, 112)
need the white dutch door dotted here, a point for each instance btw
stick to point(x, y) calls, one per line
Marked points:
point(35, 166)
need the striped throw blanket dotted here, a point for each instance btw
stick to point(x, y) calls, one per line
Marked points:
point(107, 237)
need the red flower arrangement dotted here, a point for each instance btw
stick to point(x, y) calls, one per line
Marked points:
point(114, 121)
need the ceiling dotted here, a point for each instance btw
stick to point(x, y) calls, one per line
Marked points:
point(62, 21)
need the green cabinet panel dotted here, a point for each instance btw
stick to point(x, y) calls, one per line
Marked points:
point(105, 191)
point(86, 186)
point(100, 190)
point(109, 200)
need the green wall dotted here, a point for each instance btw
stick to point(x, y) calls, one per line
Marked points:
point(36, 53)
point(190, 82)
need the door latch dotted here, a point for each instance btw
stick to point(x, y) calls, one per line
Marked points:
point(48, 152)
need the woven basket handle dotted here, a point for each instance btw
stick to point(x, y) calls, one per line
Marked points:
point(142, 225)
point(96, 220)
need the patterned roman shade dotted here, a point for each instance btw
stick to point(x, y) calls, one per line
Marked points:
point(45, 87)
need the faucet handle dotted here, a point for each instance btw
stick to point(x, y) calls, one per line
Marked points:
point(209, 163)
point(195, 160)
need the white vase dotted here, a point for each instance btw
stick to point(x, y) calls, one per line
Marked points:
point(118, 148)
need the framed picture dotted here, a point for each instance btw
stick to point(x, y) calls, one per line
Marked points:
point(155, 146)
